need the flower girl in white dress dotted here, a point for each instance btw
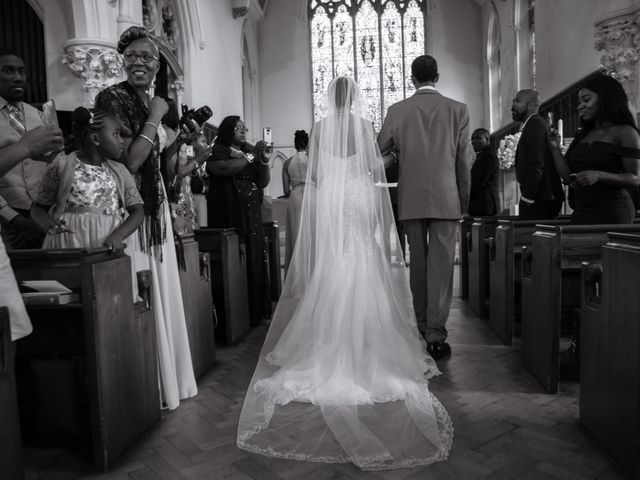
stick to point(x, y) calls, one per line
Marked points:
point(88, 190)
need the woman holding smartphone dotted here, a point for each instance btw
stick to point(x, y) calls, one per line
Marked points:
point(238, 173)
point(603, 161)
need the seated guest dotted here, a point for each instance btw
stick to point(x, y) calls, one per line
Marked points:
point(483, 198)
point(20, 185)
point(33, 144)
point(238, 173)
point(603, 160)
point(294, 176)
point(90, 190)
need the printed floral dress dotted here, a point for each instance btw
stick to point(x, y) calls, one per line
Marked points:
point(93, 207)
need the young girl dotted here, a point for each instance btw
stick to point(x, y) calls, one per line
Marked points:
point(88, 191)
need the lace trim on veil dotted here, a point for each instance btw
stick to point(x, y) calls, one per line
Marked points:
point(371, 463)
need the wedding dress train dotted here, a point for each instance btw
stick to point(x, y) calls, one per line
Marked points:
point(343, 374)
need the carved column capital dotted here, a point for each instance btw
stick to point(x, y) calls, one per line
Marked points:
point(618, 36)
point(98, 64)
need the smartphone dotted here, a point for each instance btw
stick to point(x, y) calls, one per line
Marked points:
point(49, 115)
point(266, 135)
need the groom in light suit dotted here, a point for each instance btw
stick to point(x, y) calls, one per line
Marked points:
point(431, 135)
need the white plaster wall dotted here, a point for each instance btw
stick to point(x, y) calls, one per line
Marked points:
point(213, 75)
point(285, 62)
point(66, 89)
point(457, 44)
point(564, 41)
point(285, 71)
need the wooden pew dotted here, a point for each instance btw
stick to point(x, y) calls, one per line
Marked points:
point(478, 246)
point(465, 239)
point(481, 245)
point(228, 281)
point(610, 351)
point(11, 450)
point(195, 284)
point(271, 232)
point(505, 248)
point(89, 369)
point(551, 269)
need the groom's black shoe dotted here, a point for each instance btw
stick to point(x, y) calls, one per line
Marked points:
point(438, 350)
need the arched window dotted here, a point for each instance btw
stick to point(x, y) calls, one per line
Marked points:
point(373, 41)
point(493, 67)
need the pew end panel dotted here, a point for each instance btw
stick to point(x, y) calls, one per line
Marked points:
point(610, 390)
point(228, 281)
point(464, 246)
point(501, 278)
point(103, 348)
point(195, 285)
point(540, 329)
point(478, 259)
point(505, 271)
point(552, 289)
point(271, 232)
point(10, 437)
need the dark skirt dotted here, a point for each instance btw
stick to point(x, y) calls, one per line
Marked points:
point(618, 210)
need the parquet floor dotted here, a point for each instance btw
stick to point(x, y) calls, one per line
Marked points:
point(505, 427)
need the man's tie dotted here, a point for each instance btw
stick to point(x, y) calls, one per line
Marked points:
point(16, 119)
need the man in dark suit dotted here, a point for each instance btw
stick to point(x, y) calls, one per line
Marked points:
point(483, 198)
point(541, 193)
point(430, 133)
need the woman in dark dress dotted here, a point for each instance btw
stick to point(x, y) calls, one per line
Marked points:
point(603, 161)
point(238, 173)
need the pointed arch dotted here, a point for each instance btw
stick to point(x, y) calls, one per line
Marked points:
point(250, 87)
point(492, 42)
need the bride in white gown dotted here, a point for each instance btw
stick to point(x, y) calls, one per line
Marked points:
point(343, 373)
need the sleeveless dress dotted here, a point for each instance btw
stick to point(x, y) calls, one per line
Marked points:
point(600, 203)
point(297, 171)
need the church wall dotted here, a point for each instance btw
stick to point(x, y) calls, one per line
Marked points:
point(564, 42)
point(455, 40)
point(215, 74)
point(285, 62)
point(285, 70)
point(62, 85)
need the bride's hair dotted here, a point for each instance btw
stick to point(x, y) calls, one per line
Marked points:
point(341, 93)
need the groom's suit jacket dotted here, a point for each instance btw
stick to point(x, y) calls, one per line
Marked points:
point(431, 134)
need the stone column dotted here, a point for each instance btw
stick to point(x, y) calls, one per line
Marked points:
point(96, 62)
point(617, 35)
point(129, 14)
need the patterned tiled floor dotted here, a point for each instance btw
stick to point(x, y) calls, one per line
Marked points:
point(505, 427)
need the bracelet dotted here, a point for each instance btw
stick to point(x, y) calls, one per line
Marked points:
point(52, 230)
point(151, 123)
point(146, 138)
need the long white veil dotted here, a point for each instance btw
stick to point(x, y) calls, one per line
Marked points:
point(343, 373)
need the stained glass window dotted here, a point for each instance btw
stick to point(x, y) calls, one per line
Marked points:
point(373, 41)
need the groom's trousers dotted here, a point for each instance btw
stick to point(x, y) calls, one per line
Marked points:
point(432, 245)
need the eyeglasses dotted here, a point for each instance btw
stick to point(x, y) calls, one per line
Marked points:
point(146, 57)
point(241, 129)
